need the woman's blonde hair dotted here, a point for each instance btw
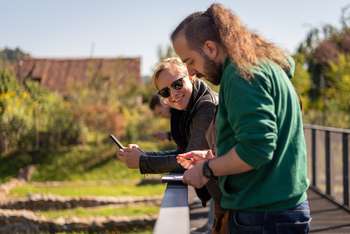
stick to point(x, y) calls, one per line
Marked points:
point(166, 64)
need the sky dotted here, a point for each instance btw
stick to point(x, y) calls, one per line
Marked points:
point(114, 28)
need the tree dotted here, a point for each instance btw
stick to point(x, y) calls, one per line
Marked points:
point(166, 52)
point(325, 58)
point(12, 55)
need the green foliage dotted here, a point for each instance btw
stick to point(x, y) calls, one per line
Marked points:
point(31, 117)
point(302, 81)
point(12, 163)
point(340, 91)
point(12, 55)
point(55, 119)
point(166, 52)
point(118, 105)
point(322, 47)
point(36, 124)
point(335, 104)
point(7, 83)
point(156, 145)
point(147, 90)
point(322, 78)
point(332, 106)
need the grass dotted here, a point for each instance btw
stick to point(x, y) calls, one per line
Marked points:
point(81, 163)
point(83, 170)
point(87, 170)
point(88, 162)
point(123, 188)
point(141, 232)
point(106, 211)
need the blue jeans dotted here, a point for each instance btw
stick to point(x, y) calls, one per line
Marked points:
point(295, 220)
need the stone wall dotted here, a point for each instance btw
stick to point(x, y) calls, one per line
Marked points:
point(41, 202)
point(22, 221)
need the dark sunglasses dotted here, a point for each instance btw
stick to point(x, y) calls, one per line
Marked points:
point(177, 85)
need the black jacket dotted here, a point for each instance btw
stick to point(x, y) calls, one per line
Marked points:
point(188, 128)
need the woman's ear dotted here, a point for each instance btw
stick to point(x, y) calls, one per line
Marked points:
point(165, 101)
point(211, 49)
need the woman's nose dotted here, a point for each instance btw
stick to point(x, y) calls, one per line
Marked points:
point(173, 93)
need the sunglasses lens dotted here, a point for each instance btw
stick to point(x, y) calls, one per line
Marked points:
point(177, 84)
point(165, 93)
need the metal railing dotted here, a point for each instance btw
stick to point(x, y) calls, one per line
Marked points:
point(174, 215)
point(328, 151)
point(329, 162)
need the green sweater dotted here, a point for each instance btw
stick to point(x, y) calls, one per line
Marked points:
point(262, 119)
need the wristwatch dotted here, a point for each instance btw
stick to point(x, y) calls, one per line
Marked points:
point(207, 171)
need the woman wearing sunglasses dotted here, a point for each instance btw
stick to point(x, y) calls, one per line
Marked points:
point(192, 107)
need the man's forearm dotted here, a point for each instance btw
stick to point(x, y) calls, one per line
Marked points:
point(229, 164)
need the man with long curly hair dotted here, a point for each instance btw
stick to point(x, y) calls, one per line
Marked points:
point(261, 163)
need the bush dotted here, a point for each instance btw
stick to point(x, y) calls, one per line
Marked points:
point(118, 106)
point(31, 117)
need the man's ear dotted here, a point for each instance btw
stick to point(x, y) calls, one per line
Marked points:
point(211, 49)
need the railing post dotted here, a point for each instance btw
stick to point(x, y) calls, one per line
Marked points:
point(345, 169)
point(328, 163)
point(313, 155)
point(174, 215)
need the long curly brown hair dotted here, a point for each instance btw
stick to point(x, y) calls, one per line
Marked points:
point(244, 47)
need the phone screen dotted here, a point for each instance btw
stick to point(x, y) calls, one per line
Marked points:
point(120, 145)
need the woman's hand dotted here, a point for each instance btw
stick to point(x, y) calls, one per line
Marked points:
point(189, 159)
point(130, 156)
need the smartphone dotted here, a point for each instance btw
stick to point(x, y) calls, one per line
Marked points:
point(172, 178)
point(120, 145)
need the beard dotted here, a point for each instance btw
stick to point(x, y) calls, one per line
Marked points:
point(212, 71)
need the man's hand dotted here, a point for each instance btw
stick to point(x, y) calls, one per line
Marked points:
point(130, 156)
point(194, 176)
point(189, 159)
